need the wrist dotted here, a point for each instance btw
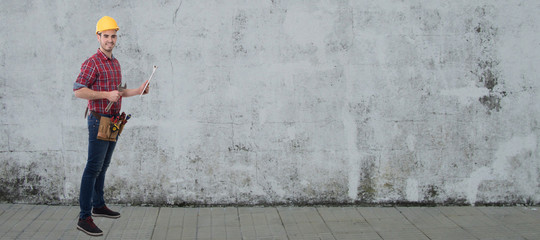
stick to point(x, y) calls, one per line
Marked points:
point(102, 95)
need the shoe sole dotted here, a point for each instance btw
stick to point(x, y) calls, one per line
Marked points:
point(89, 233)
point(104, 215)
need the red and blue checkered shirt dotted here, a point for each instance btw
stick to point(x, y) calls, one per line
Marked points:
point(102, 74)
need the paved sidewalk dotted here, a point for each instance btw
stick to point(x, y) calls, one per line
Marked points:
point(18, 221)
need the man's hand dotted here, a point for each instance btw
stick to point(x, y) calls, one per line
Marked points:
point(145, 90)
point(113, 96)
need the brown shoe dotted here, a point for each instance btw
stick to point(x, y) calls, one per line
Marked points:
point(105, 212)
point(87, 226)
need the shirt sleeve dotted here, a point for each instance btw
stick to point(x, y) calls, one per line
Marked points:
point(87, 76)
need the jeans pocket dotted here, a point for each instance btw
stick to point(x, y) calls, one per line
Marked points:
point(93, 127)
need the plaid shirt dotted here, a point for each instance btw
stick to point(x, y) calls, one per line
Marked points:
point(100, 73)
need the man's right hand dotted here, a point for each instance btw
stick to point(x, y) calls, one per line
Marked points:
point(113, 96)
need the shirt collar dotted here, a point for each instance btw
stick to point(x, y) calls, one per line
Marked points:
point(103, 56)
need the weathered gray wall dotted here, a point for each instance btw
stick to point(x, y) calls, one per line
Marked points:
point(280, 102)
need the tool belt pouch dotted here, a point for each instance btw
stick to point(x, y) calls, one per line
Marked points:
point(105, 133)
point(121, 128)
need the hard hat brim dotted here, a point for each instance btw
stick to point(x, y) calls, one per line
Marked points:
point(103, 30)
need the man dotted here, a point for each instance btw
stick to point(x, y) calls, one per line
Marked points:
point(98, 83)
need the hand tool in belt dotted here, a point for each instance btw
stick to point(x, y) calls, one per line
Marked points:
point(120, 89)
point(114, 123)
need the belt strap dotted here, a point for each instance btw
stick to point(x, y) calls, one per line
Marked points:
point(96, 115)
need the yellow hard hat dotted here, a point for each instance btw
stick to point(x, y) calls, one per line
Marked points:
point(106, 23)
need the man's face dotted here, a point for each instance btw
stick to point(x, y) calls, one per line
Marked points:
point(107, 40)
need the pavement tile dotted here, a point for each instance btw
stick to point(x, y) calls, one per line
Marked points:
point(358, 236)
point(493, 232)
point(509, 215)
point(43, 218)
point(474, 221)
point(261, 222)
point(390, 224)
point(460, 211)
point(190, 223)
point(165, 228)
point(349, 227)
point(531, 211)
point(379, 212)
point(525, 229)
point(11, 218)
point(422, 217)
point(66, 225)
point(27, 224)
point(51, 218)
point(303, 222)
point(340, 214)
point(406, 234)
point(453, 233)
point(3, 207)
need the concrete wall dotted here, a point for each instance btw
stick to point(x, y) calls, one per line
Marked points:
point(280, 102)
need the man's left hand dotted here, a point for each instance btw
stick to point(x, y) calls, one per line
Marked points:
point(145, 90)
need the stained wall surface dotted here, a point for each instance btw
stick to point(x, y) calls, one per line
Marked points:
point(280, 102)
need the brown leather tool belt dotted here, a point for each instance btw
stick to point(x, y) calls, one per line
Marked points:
point(96, 115)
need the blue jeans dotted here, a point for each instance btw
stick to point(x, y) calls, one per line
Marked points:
point(93, 178)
